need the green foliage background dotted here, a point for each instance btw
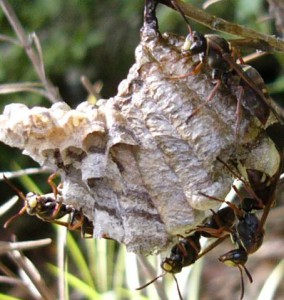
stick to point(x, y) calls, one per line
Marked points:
point(92, 38)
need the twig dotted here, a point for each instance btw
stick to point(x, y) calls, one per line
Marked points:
point(12, 281)
point(34, 56)
point(23, 87)
point(207, 3)
point(29, 171)
point(4, 208)
point(8, 39)
point(11, 246)
point(62, 263)
point(32, 274)
point(150, 271)
point(263, 41)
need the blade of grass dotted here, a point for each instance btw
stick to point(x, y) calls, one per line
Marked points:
point(272, 282)
point(4, 208)
point(62, 261)
point(131, 271)
point(102, 264)
point(119, 271)
point(77, 257)
point(128, 294)
point(195, 280)
point(111, 261)
point(5, 297)
point(90, 245)
point(82, 287)
point(31, 273)
point(149, 269)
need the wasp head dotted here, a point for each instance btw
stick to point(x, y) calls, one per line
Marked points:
point(32, 203)
point(173, 264)
point(195, 43)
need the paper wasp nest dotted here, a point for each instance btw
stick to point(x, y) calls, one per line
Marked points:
point(132, 163)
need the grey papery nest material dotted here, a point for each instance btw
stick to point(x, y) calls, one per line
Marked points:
point(131, 162)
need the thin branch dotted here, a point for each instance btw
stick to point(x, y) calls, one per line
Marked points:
point(15, 282)
point(19, 173)
point(4, 208)
point(263, 41)
point(12, 281)
point(5, 38)
point(11, 246)
point(62, 262)
point(147, 269)
point(208, 3)
point(34, 56)
point(26, 266)
point(10, 88)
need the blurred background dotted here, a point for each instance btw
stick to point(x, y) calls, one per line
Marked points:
point(97, 39)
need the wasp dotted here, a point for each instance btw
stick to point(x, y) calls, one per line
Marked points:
point(238, 221)
point(243, 80)
point(50, 208)
point(247, 232)
point(188, 249)
point(183, 254)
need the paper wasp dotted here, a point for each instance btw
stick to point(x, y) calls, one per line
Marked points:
point(247, 232)
point(238, 221)
point(188, 249)
point(50, 208)
point(243, 80)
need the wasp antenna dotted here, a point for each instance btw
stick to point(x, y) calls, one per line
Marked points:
point(248, 274)
point(178, 8)
point(230, 169)
point(12, 186)
point(237, 192)
point(242, 278)
point(150, 282)
point(217, 199)
point(21, 212)
point(242, 282)
point(238, 176)
point(178, 289)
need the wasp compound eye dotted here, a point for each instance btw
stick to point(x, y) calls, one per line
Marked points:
point(172, 265)
point(234, 257)
point(195, 43)
point(32, 200)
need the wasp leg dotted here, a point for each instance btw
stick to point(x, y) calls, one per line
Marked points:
point(193, 72)
point(210, 97)
point(21, 212)
point(52, 184)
